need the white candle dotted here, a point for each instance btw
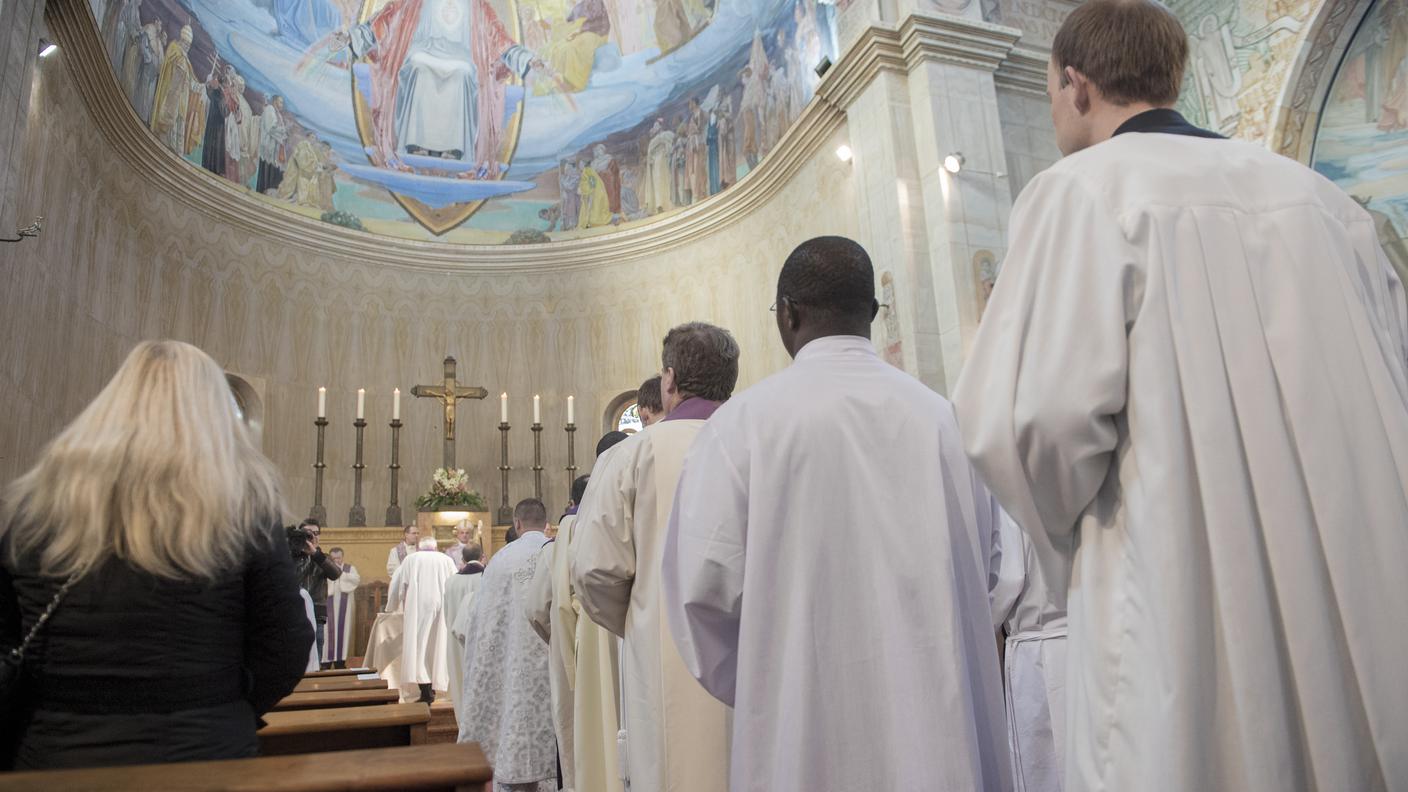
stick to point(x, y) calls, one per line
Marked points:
point(361, 403)
point(322, 402)
point(571, 413)
point(395, 404)
point(503, 408)
point(537, 410)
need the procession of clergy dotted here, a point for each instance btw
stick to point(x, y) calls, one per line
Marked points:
point(1174, 476)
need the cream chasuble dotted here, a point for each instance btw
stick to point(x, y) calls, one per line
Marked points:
point(418, 590)
point(827, 571)
point(676, 733)
point(459, 593)
point(1189, 389)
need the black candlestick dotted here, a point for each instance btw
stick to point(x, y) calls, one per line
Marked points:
point(505, 511)
point(393, 512)
point(319, 512)
point(357, 515)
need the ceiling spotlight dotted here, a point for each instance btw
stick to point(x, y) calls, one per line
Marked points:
point(953, 163)
point(47, 48)
point(844, 153)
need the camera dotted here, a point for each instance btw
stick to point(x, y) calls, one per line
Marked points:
point(298, 538)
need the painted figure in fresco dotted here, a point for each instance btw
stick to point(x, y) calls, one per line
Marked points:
point(696, 155)
point(438, 73)
point(176, 91)
point(569, 178)
point(596, 205)
point(241, 135)
point(679, 163)
point(711, 145)
point(302, 22)
point(572, 46)
point(658, 189)
point(218, 88)
point(728, 146)
point(308, 179)
point(121, 22)
point(143, 90)
point(1393, 115)
point(1215, 73)
point(609, 171)
point(273, 146)
point(632, 25)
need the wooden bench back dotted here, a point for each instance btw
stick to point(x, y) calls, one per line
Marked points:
point(343, 729)
point(339, 683)
point(330, 699)
point(420, 767)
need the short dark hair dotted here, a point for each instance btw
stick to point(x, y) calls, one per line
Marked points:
point(829, 273)
point(471, 552)
point(579, 489)
point(335, 550)
point(1132, 50)
point(608, 440)
point(648, 395)
point(408, 529)
point(313, 521)
point(531, 512)
point(704, 358)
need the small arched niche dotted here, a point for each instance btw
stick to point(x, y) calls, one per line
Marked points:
point(622, 415)
point(248, 404)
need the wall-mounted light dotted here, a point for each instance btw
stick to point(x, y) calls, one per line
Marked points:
point(47, 48)
point(822, 66)
point(844, 153)
point(953, 163)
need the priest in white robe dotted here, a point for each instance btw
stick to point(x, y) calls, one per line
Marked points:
point(583, 661)
point(459, 593)
point(508, 706)
point(676, 733)
point(342, 612)
point(418, 590)
point(1189, 388)
point(409, 537)
point(1032, 620)
point(839, 468)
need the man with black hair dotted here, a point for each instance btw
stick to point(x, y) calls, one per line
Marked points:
point(649, 406)
point(676, 735)
point(507, 708)
point(315, 569)
point(839, 445)
point(607, 441)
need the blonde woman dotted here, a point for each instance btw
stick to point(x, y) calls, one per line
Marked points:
point(183, 623)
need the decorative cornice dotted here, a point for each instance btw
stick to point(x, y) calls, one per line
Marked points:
point(1024, 71)
point(73, 26)
point(920, 38)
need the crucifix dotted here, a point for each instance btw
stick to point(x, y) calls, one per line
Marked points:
point(449, 393)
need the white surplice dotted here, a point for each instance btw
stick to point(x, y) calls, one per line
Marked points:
point(1034, 664)
point(313, 664)
point(540, 611)
point(1189, 388)
point(508, 705)
point(459, 593)
point(826, 573)
point(342, 615)
point(676, 734)
point(418, 590)
point(396, 556)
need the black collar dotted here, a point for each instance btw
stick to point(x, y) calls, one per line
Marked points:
point(1164, 120)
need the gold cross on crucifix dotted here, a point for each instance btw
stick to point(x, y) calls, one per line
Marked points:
point(449, 393)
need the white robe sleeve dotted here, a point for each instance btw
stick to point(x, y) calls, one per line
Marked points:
point(396, 592)
point(392, 562)
point(1011, 575)
point(604, 544)
point(702, 571)
point(537, 608)
point(1046, 376)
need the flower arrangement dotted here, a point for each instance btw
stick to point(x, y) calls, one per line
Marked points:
point(449, 490)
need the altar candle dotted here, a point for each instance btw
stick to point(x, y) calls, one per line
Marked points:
point(503, 408)
point(322, 402)
point(571, 413)
point(361, 403)
point(395, 404)
point(537, 410)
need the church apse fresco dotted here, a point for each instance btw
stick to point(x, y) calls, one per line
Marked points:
point(1362, 141)
point(471, 121)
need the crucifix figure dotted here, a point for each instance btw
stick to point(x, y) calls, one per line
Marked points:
point(449, 393)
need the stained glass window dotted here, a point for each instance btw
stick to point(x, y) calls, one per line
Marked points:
point(629, 422)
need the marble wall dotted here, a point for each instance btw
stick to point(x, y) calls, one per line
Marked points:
point(123, 260)
point(21, 25)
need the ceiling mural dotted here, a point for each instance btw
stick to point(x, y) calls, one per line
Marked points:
point(471, 121)
point(1362, 141)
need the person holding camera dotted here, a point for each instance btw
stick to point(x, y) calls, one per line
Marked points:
point(315, 569)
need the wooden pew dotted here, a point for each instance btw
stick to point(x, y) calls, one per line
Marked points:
point(343, 729)
point(331, 699)
point(418, 767)
point(339, 683)
point(337, 672)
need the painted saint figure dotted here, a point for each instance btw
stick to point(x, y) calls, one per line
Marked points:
point(438, 71)
point(175, 88)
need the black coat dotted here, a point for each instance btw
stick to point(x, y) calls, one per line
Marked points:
point(134, 669)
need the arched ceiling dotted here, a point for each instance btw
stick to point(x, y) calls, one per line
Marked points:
point(470, 121)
